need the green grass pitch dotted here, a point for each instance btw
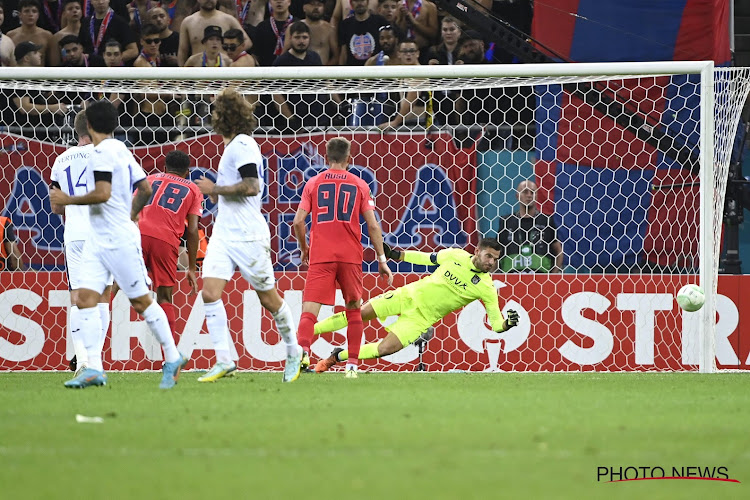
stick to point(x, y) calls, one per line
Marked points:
point(383, 436)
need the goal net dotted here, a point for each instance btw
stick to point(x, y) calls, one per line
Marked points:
point(619, 169)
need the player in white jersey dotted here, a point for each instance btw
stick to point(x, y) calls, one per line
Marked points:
point(70, 173)
point(116, 247)
point(240, 237)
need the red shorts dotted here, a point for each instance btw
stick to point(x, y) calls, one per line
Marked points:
point(320, 285)
point(161, 260)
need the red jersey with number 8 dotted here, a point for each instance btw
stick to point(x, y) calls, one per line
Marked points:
point(172, 200)
point(336, 199)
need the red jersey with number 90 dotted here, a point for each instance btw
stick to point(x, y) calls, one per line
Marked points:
point(172, 200)
point(336, 199)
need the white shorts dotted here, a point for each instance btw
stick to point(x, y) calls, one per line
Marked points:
point(74, 264)
point(253, 258)
point(124, 263)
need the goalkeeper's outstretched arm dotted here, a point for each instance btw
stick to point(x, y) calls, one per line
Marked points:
point(411, 256)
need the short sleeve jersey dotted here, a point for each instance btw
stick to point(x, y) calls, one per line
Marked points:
point(336, 199)
point(110, 221)
point(239, 217)
point(71, 172)
point(173, 199)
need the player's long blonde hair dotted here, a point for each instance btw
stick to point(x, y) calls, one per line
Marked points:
point(232, 114)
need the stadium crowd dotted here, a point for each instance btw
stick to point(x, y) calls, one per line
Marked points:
point(223, 33)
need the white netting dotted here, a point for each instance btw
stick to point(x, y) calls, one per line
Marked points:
point(616, 159)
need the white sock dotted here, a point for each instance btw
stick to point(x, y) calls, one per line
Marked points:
point(159, 326)
point(79, 347)
point(218, 330)
point(351, 366)
point(91, 331)
point(104, 315)
point(287, 329)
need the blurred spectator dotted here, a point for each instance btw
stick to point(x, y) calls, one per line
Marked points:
point(113, 54)
point(251, 12)
point(73, 13)
point(300, 110)
point(359, 35)
point(177, 11)
point(10, 254)
point(471, 48)
point(138, 14)
point(234, 41)
point(323, 38)
point(150, 43)
point(389, 38)
point(6, 44)
point(71, 50)
point(194, 28)
point(211, 56)
point(418, 21)
point(529, 237)
point(269, 34)
point(344, 10)
point(446, 52)
point(413, 105)
point(104, 25)
point(34, 108)
point(170, 40)
point(28, 13)
point(390, 10)
point(51, 15)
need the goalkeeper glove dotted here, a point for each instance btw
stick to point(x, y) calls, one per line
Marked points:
point(391, 253)
point(511, 319)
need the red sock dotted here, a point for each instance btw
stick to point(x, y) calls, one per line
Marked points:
point(354, 334)
point(170, 312)
point(306, 330)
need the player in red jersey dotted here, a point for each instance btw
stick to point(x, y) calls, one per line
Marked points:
point(162, 224)
point(336, 199)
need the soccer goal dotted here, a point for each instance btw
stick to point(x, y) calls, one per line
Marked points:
point(627, 164)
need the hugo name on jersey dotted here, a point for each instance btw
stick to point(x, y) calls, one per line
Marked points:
point(72, 173)
point(110, 221)
point(239, 218)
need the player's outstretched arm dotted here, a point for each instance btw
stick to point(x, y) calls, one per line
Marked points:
point(376, 237)
point(100, 194)
point(142, 195)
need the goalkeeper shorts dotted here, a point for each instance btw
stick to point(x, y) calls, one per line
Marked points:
point(410, 323)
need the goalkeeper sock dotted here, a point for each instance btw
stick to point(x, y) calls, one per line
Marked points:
point(367, 351)
point(216, 322)
point(104, 316)
point(285, 324)
point(169, 310)
point(354, 333)
point(159, 326)
point(79, 347)
point(331, 323)
point(306, 330)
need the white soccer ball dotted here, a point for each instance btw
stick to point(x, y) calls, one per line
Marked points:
point(691, 297)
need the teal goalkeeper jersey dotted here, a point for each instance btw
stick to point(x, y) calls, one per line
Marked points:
point(454, 284)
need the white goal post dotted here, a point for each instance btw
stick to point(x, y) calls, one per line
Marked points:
point(630, 163)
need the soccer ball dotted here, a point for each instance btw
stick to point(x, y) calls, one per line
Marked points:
point(691, 297)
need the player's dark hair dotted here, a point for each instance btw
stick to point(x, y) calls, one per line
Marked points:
point(232, 114)
point(177, 161)
point(79, 124)
point(102, 116)
point(29, 3)
point(338, 149)
point(69, 39)
point(235, 33)
point(490, 243)
point(149, 29)
point(66, 2)
point(299, 27)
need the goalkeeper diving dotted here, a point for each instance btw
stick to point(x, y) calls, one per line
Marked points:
point(460, 279)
